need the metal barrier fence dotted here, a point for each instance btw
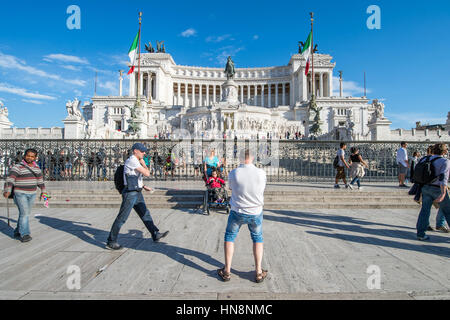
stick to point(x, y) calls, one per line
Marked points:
point(293, 160)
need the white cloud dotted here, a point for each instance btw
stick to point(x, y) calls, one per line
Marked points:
point(65, 58)
point(189, 33)
point(351, 88)
point(76, 82)
point(70, 67)
point(11, 62)
point(24, 92)
point(255, 37)
point(219, 38)
point(110, 86)
point(32, 101)
point(225, 52)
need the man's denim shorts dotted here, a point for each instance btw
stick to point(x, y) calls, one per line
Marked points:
point(402, 169)
point(254, 222)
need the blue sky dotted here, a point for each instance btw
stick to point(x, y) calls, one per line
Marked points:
point(43, 63)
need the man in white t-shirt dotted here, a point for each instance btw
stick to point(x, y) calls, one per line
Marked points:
point(403, 164)
point(133, 173)
point(247, 183)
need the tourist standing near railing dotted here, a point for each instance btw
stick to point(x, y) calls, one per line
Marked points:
point(342, 164)
point(357, 167)
point(402, 164)
point(90, 164)
point(436, 191)
point(25, 177)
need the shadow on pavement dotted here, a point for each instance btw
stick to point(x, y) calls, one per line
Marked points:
point(356, 225)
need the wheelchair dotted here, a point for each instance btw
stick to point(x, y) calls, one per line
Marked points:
point(209, 201)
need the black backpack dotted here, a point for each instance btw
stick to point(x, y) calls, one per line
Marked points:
point(118, 178)
point(336, 162)
point(424, 172)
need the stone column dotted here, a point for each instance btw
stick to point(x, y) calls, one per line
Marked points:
point(220, 93)
point(284, 94)
point(214, 93)
point(120, 83)
point(242, 94)
point(321, 84)
point(276, 95)
point(248, 94)
point(141, 84)
point(256, 95)
point(200, 99)
point(132, 81)
point(263, 88)
point(178, 93)
point(148, 84)
point(186, 104)
point(330, 84)
point(269, 96)
point(157, 81)
point(207, 94)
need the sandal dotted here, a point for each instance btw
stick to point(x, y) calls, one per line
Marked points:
point(261, 276)
point(224, 275)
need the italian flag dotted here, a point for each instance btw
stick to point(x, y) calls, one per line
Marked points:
point(133, 53)
point(306, 53)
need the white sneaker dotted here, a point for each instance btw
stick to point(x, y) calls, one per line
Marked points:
point(349, 186)
point(360, 188)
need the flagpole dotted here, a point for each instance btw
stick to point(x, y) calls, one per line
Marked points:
point(312, 54)
point(365, 95)
point(138, 98)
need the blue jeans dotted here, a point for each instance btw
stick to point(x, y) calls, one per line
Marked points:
point(429, 194)
point(24, 203)
point(235, 220)
point(357, 180)
point(440, 219)
point(132, 200)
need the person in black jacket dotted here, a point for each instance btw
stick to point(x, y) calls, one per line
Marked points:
point(414, 161)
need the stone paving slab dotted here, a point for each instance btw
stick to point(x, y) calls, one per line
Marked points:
point(310, 254)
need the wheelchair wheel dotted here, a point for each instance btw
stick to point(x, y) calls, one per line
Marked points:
point(205, 203)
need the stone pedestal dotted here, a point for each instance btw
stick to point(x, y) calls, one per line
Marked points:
point(74, 128)
point(4, 124)
point(380, 129)
point(230, 92)
point(142, 124)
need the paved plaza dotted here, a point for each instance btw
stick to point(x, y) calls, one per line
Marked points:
point(310, 254)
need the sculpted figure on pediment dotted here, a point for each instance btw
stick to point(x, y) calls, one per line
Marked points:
point(73, 109)
point(379, 109)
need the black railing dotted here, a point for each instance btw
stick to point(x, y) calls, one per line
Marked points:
point(293, 160)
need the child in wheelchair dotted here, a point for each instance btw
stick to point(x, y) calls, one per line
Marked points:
point(216, 184)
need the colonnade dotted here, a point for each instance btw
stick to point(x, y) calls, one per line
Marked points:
point(269, 95)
